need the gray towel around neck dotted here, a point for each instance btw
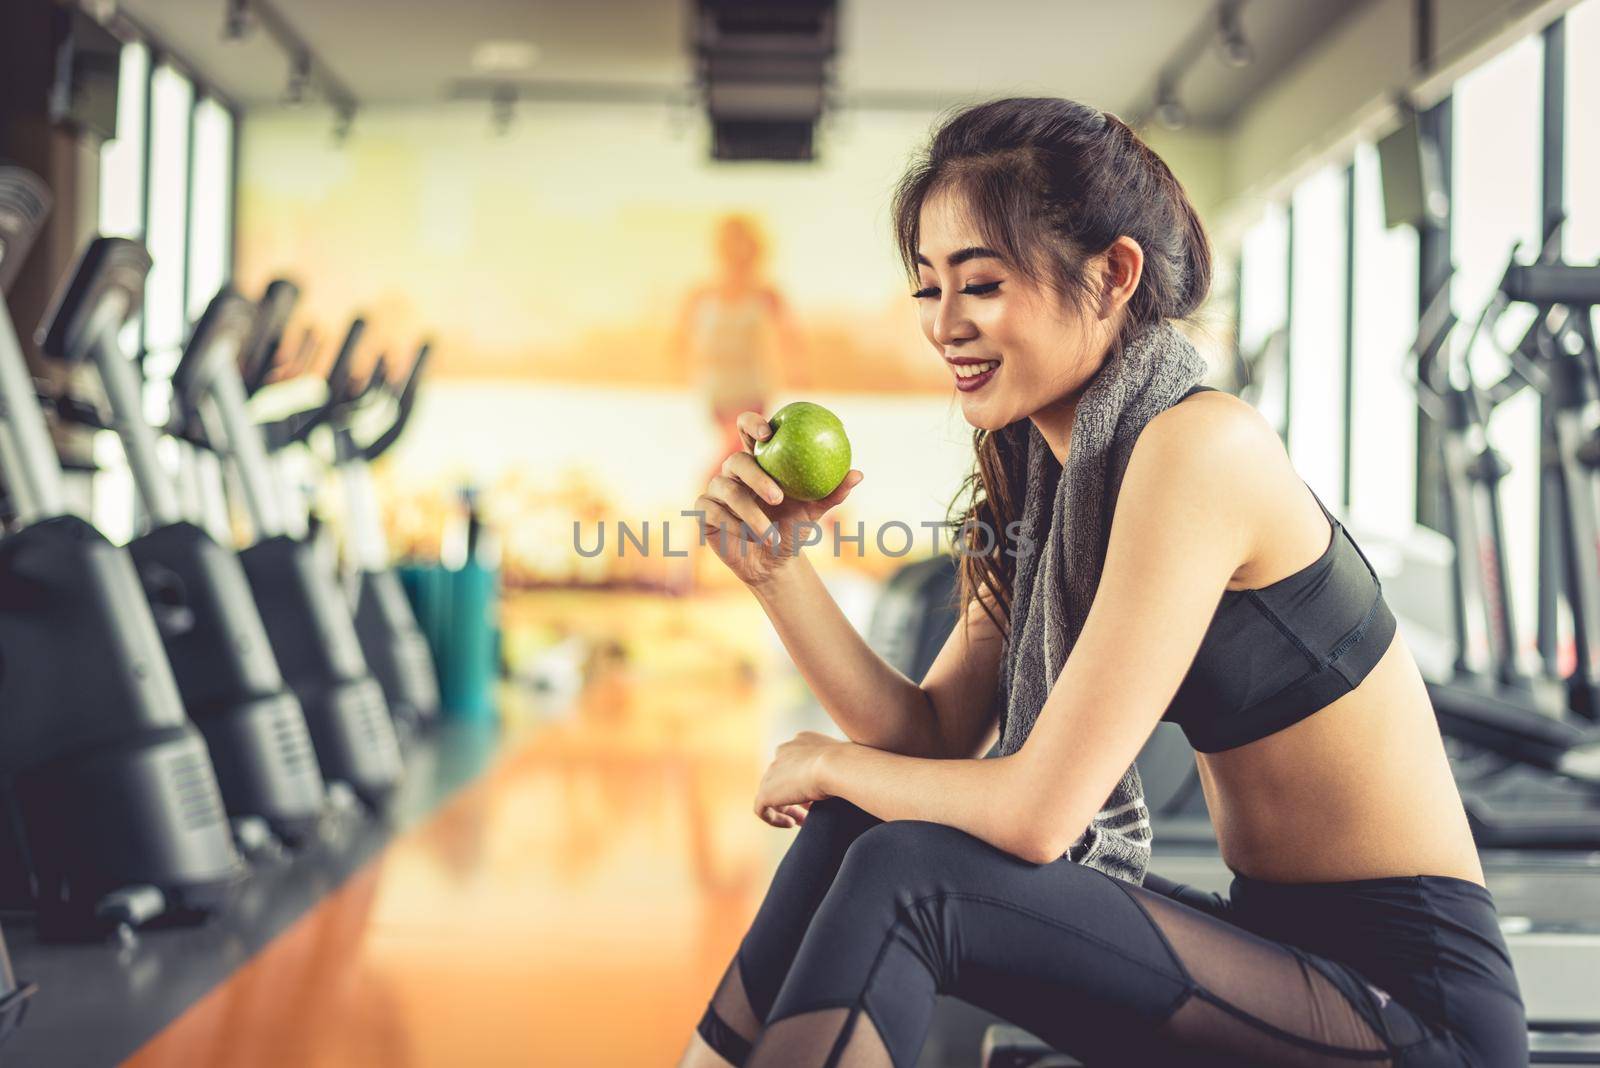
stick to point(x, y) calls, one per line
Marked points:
point(1059, 562)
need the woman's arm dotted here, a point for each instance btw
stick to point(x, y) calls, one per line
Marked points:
point(678, 335)
point(870, 701)
point(1184, 523)
point(791, 343)
point(977, 796)
point(951, 714)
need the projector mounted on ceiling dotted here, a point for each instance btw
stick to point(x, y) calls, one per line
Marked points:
point(763, 68)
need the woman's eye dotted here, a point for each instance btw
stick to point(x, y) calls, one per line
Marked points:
point(973, 291)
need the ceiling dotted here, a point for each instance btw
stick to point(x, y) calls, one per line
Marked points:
point(892, 53)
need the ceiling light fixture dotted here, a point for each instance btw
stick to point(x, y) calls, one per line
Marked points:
point(295, 93)
point(237, 22)
point(502, 110)
point(343, 120)
point(1231, 41)
point(1170, 112)
point(1221, 28)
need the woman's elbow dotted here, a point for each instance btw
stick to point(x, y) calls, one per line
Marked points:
point(1032, 846)
point(1037, 854)
point(1049, 841)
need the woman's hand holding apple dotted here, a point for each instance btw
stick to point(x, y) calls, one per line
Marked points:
point(752, 525)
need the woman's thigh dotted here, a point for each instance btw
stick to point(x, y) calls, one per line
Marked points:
point(1092, 965)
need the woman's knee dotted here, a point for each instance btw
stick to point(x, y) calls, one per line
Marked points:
point(834, 818)
point(904, 855)
point(909, 860)
point(832, 825)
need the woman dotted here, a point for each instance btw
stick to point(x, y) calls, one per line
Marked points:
point(736, 339)
point(1052, 249)
point(736, 332)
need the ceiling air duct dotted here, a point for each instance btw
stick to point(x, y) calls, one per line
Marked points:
point(763, 67)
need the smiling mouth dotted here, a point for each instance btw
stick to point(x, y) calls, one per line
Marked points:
point(973, 370)
point(971, 377)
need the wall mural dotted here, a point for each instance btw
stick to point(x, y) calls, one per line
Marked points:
point(603, 300)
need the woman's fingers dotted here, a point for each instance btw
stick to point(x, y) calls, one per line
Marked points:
point(785, 815)
point(743, 466)
point(777, 818)
point(753, 427)
point(741, 501)
point(717, 517)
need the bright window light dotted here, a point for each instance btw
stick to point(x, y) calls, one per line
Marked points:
point(1316, 336)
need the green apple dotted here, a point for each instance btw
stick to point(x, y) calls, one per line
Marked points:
point(808, 453)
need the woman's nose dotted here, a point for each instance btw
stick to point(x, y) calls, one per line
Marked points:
point(949, 325)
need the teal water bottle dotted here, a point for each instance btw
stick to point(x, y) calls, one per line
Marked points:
point(427, 586)
point(469, 666)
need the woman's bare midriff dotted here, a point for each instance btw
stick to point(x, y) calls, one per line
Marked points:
point(1360, 789)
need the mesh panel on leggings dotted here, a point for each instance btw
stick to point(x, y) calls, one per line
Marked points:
point(730, 1025)
point(1258, 1001)
point(816, 1040)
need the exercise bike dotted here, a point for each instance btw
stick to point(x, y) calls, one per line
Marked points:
point(112, 812)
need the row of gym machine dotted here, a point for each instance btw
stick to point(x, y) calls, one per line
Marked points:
point(223, 684)
point(1527, 742)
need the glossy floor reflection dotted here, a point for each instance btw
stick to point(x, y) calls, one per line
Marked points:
point(576, 906)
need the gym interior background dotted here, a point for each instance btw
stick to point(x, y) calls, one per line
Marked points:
point(557, 200)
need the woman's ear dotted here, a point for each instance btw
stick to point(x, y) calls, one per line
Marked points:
point(1123, 267)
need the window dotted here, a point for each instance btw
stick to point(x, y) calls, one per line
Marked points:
point(122, 211)
point(122, 159)
point(1316, 334)
point(1264, 313)
point(1495, 188)
point(171, 100)
point(210, 204)
point(1582, 234)
point(1383, 445)
point(166, 180)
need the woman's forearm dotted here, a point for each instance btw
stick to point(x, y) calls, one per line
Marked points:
point(987, 798)
point(871, 702)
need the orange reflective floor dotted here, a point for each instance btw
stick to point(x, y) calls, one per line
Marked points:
point(574, 906)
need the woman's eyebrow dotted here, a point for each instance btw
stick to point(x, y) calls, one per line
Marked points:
point(960, 256)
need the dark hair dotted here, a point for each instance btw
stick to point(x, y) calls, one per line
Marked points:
point(1049, 183)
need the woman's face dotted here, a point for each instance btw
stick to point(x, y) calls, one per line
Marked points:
point(1011, 347)
point(737, 247)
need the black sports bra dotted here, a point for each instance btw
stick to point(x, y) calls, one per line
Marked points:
point(1273, 656)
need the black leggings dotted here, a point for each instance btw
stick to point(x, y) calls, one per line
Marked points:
point(866, 921)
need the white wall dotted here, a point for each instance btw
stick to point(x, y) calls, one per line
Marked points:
point(1199, 160)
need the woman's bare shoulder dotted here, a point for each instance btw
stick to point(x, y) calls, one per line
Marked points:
point(1219, 426)
point(1263, 488)
point(1222, 432)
